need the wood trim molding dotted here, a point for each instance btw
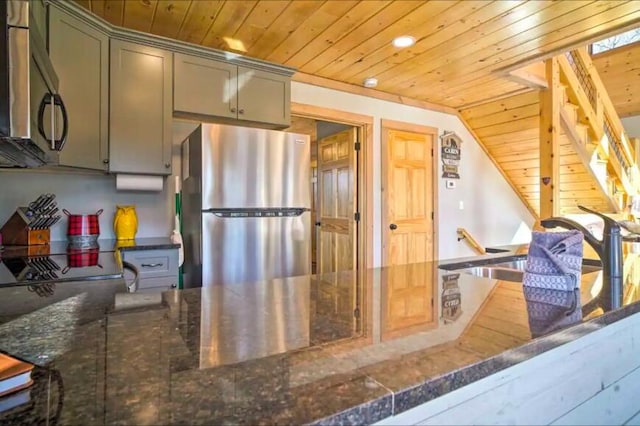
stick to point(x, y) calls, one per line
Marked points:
point(372, 93)
point(386, 125)
point(365, 174)
point(408, 127)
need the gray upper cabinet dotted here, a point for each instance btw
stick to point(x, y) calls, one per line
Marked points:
point(264, 97)
point(209, 88)
point(38, 17)
point(80, 56)
point(140, 109)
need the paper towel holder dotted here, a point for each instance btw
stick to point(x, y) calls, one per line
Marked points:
point(139, 182)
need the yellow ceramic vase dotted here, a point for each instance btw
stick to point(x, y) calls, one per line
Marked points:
point(125, 222)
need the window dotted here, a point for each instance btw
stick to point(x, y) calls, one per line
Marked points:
point(616, 41)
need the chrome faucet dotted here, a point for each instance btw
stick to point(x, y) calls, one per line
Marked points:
point(609, 249)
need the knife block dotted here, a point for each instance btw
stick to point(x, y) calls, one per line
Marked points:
point(16, 231)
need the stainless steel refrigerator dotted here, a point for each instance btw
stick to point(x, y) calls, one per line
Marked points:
point(246, 205)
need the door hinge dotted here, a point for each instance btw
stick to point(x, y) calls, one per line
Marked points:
point(432, 216)
point(356, 146)
point(432, 152)
point(356, 216)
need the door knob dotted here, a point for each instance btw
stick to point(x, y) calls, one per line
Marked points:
point(393, 226)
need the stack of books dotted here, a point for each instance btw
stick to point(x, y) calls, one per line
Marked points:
point(15, 379)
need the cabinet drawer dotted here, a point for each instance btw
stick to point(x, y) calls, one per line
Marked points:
point(157, 284)
point(154, 263)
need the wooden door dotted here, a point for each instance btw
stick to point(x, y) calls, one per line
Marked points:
point(337, 203)
point(408, 197)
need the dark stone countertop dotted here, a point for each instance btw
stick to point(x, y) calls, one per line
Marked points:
point(341, 348)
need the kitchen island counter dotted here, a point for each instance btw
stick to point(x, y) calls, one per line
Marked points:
point(336, 348)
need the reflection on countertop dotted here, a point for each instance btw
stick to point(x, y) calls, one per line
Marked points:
point(62, 247)
point(336, 348)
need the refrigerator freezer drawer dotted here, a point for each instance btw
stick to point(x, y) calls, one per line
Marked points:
point(248, 249)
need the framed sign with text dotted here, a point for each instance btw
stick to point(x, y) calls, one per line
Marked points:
point(450, 154)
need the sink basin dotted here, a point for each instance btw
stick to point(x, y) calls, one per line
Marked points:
point(509, 268)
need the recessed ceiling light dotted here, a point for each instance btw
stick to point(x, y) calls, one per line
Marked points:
point(404, 41)
point(370, 82)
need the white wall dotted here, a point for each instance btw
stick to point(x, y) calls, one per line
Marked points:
point(632, 126)
point(592, 380)
point(492, 213)
point(84, 193)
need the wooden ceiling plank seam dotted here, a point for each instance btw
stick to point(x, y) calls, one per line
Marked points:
point(97, 7)
point(355, 62)
point(169, 18)
point(323, 18)
point(520, 135)
point(198, 20)
point(484, 88)
point(214, 18)
point(517, 39)
point(153, 16)
point(259, 21)
point(497, 98)
point(463, 69)
point(329, 36)
point(505, 116)
point(425, 63)
point(113, 12)
point(500, 105)
point(294, 15)
point(506, 177)
point(227, 23)
point(358, 33)
point(463, 23)
point(506, 128)
point(530, 55)
point(432, 45)
point(138, 14)
point(184, 19)
point(618, 10)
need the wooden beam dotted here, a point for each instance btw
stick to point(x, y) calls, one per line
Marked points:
point(550, 142)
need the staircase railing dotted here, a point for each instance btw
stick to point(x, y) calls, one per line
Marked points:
point(605, 132)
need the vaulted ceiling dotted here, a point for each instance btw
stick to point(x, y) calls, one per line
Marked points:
point(462, 50)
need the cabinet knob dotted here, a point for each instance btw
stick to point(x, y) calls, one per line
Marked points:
point(167, 165)
point(241, 111)
point(393, 226)
point(233, 110)
point(174, 286)
point(105, 161)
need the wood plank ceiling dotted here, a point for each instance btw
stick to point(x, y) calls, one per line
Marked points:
point(461, 46)
point(619, 70)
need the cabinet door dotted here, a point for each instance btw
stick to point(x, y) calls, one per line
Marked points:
point(84, 86)
point(204, 87)
point(38, 16)
point(264, 97)
point(140, 109)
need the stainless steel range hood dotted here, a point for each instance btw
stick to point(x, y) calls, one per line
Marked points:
point(33, 120)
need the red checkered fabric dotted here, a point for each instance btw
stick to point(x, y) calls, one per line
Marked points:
point(83, 224)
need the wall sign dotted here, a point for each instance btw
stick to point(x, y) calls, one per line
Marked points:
point(451, 147)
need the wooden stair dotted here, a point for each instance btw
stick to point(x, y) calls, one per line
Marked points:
point(597, 162)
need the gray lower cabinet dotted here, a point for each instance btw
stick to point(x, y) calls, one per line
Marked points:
point(80, 56)
point(209, 88)
point(158, 268)
point(140, 109)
